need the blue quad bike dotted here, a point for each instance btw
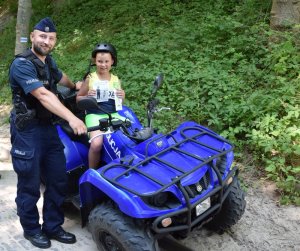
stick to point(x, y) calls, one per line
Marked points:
point(151, 184)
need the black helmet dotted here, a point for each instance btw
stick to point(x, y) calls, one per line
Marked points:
point(106, 47)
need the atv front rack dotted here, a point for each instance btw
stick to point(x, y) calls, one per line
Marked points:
point(126, 168)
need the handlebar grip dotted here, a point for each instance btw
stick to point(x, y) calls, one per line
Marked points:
point(93, 128)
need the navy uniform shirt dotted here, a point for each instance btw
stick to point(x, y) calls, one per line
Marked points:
point(24, 74)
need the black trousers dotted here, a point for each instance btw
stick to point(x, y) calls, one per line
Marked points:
point(38, 154)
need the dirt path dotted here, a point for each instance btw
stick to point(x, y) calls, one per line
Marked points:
point(264, 226)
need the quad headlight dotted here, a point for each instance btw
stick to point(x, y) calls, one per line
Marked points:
point(162, 200)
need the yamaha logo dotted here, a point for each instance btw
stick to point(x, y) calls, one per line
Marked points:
point(199, 188)
point(159, 143)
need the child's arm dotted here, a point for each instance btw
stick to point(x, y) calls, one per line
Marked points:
point(84, 90)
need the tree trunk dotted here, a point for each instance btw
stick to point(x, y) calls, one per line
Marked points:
point(22, 27)
point(285, 14)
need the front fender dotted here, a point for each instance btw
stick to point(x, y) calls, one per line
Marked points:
point(94, 189)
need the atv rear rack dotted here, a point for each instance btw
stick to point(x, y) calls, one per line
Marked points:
point(156, 157)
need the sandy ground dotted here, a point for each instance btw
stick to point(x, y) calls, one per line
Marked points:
point(264, 226)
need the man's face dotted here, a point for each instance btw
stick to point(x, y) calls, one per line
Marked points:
point(42, 42)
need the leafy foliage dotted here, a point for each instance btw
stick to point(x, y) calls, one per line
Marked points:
point(223, 68)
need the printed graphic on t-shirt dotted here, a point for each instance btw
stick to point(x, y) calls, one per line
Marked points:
point(103, 93)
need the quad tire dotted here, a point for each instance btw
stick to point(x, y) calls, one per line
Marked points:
point(231, 211)
point(114, 231)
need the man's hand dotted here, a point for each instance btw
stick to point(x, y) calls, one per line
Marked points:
point(78, 85)
point(78, 126)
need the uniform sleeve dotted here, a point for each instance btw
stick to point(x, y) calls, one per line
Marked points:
point(23, 74)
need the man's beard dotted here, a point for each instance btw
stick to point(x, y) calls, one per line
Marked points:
point(38, 50)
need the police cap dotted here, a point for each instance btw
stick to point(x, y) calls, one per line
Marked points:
point(45, 25)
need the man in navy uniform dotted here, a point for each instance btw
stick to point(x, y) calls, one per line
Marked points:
point(37, 152)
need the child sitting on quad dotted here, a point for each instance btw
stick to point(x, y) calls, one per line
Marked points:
point(106, 88)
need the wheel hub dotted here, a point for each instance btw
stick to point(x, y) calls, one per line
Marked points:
point(109, 242)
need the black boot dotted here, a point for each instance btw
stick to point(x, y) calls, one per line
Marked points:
point(39, 240)
point(63, 236)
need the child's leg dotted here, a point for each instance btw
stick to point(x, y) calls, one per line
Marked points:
point(95, 150)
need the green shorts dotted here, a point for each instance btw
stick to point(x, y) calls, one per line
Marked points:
point(93, 119)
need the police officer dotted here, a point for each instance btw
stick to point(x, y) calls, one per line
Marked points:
point(37, 152)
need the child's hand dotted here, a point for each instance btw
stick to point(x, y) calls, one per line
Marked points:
point(91, 93)
point(120, 93)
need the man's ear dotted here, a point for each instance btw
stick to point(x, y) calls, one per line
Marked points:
point(31, 35)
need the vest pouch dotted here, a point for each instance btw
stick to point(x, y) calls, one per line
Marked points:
point(23, 161)
point(21, 120)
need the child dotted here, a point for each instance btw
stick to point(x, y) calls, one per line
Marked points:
point(104, 86)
